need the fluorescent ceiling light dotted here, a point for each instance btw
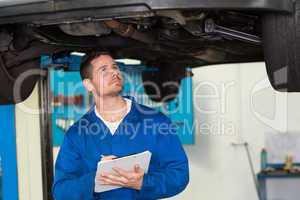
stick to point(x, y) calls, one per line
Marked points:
point(75, 53)
point(128, 61)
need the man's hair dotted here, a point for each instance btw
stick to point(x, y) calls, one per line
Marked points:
point(86, 68)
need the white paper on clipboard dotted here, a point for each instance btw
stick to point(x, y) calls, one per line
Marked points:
point(126, 163)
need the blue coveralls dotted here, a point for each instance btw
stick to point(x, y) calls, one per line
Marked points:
point(142, 129)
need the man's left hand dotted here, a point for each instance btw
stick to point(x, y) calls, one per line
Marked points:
point(130, 179)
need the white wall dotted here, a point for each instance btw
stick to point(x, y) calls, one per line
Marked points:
point(29, 148)
point(219, 170)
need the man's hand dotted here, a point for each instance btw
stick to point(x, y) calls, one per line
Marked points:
point(130, 179)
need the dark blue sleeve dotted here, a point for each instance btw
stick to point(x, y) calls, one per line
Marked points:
point(171, 176)
point(69, 181)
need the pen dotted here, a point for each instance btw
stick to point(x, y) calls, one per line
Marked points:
point(108, 157)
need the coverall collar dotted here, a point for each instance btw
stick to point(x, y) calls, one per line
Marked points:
point(131, 116)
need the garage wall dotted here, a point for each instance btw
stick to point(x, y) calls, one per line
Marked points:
point(218, 169)
point(224, 114)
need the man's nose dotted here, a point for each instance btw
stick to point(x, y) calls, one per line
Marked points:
point(115, 72)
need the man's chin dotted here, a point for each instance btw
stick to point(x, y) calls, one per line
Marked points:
point(118, 89)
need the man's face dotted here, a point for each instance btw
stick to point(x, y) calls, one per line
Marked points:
point(106, 76)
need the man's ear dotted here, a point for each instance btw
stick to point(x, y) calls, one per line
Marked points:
point(88, 85)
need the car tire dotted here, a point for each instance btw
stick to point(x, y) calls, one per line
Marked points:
point(20, 70)
point(281, 40)
point(9, 93)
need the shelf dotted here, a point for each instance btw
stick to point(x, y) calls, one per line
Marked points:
point(277, 174)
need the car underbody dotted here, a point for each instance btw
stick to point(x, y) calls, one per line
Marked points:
point(185, 34)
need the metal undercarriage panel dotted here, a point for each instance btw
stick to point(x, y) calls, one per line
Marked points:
point(58, 9)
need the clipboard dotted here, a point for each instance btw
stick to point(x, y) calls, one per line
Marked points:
point(126, 163)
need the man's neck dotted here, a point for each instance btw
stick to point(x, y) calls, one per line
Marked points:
point(110, 104)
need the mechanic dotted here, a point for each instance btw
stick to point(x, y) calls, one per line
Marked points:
point(118, 126)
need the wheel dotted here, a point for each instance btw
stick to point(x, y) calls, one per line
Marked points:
point(19, 72)
point(281, 40)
